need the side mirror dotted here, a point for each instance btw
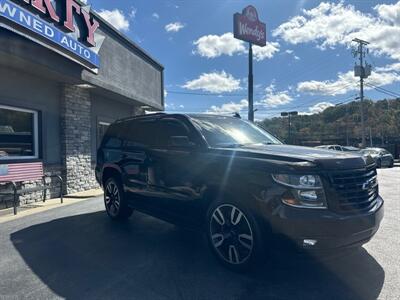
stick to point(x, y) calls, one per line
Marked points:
point(181, 141)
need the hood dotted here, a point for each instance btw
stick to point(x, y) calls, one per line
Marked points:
point(326, 159)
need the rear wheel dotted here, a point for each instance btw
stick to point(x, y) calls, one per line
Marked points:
point(114, 200)
point(234, 235)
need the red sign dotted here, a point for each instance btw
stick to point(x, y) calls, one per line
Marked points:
point(247, 27)
point(69, 9)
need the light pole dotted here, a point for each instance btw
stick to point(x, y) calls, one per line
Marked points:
point(289, 115)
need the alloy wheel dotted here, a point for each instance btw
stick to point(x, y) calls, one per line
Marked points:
point(112, 199)
point(231, 234)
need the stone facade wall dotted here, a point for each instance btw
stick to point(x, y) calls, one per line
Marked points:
point(76, 166)
point(78, 173)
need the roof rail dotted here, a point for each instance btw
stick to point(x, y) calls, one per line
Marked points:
point(139, 117)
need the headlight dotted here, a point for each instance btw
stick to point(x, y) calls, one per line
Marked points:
point(306, 191)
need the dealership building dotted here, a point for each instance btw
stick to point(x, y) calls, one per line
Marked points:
point(65, 75)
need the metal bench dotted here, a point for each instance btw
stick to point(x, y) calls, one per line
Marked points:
point(14, 173)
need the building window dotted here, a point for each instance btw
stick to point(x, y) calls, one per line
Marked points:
point(101, 131)
point(18, 133)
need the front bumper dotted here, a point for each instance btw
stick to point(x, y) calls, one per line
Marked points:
point(324, 229)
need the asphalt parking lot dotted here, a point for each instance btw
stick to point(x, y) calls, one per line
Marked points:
point(75, 252)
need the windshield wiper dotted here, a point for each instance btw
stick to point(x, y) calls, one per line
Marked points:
point(230, 145)
point(239, 145)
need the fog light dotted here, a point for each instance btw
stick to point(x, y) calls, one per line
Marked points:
point(308, 243)
point(308, 195)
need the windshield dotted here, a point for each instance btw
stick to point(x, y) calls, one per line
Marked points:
point(222, 131)
point(370, 151)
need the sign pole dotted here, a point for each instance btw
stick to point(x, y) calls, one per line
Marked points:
point(247, 27)
point(250, 82)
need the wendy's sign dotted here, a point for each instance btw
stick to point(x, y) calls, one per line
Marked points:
point(247, 27)
point(61, 25)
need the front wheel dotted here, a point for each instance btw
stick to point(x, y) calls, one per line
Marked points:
point(234, 236)
point(114, 201)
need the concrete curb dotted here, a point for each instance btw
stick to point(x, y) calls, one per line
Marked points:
point(7, 215)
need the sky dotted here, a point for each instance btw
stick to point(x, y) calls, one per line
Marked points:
point(307, 64)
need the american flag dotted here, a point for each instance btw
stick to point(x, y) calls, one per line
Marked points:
point(21, 171)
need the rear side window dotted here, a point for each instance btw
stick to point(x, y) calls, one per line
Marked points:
point(139, 133)
point(112, 137)
point(169, 128)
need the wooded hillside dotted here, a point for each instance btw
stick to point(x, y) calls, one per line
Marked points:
point(338, 124)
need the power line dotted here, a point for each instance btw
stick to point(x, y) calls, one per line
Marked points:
point(276, 111)
point(378, 88)
point(383, 92)
point(210, 94)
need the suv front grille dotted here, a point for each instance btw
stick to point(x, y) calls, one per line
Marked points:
point(354, 190)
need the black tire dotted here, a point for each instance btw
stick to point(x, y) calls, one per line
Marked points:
point(391, 164)
point(234, 235)
point(114, 200)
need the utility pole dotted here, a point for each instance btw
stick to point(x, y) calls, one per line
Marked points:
point(251, 103)
point(362, 72)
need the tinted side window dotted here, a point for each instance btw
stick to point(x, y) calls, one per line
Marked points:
point(139, 133)
point(112, 137)
point(168, 128)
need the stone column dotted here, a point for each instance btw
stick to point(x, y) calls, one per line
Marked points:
point(76, 139)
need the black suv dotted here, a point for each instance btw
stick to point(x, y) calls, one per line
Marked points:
point(238, 184)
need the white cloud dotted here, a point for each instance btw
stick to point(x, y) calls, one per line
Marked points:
point(344, 83)
point(230, 107)
point(271, 99)
point(268, 51)
point(389, 68)
point(170, 106)
point(347, 82)
point(155, 15)
point(331, 24)
point(216, 45)
point(389, 12)
point(174, 27)
point(212, 46)
point(328, 23)
point(133, 12)
point(84, 1)
point(274, 98)
point(320, 107)
point(116, 18)
point(317, 108)
point(215, 82)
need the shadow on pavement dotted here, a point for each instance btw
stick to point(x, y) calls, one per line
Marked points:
point(90, 257)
